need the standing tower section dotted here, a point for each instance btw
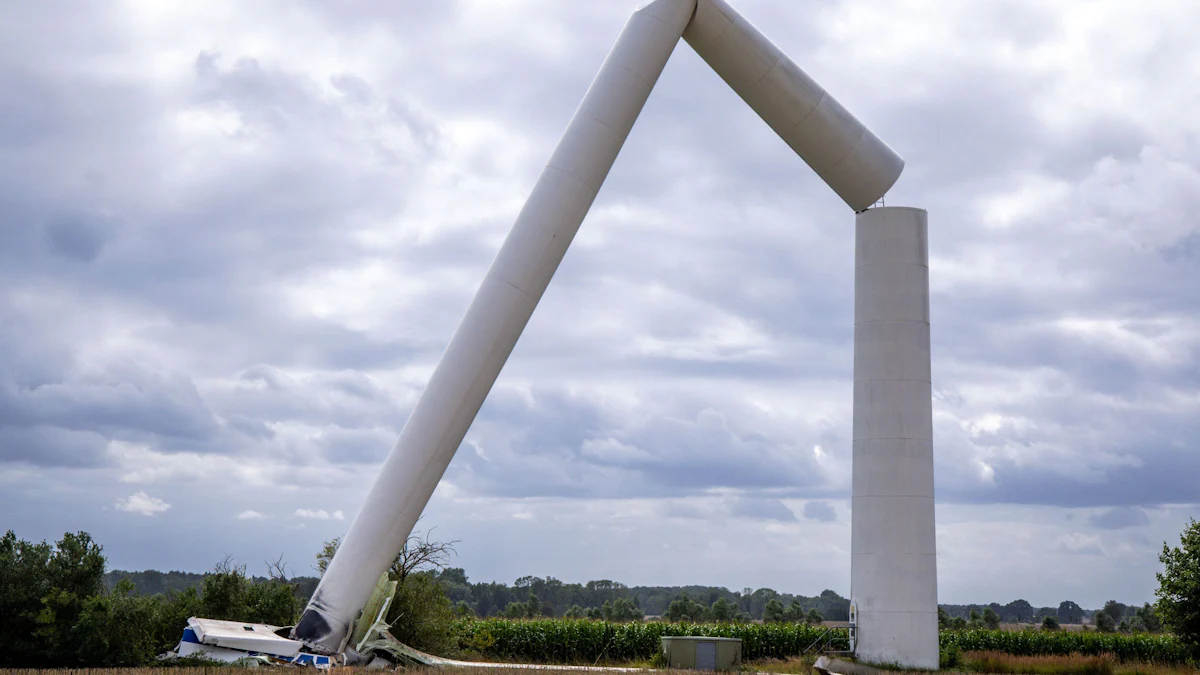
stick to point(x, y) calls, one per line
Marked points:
point(893, 568)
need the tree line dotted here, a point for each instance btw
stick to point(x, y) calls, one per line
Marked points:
point(530, 597)
point(1124, 618)
point(58, 608)
point(555, 598)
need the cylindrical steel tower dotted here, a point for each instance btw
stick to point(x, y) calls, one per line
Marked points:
point(893, 577)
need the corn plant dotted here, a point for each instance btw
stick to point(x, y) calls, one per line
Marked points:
point(1139, 647)
point(581, 641)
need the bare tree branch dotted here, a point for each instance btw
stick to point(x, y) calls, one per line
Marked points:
point(227, 566)
point(421, 552)
point(277, 569)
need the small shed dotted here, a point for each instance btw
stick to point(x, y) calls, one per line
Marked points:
point(702, 653)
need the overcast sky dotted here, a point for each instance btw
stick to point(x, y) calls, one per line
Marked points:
point(236, 237)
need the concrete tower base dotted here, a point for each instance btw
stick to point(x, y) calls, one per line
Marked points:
point(893, 576)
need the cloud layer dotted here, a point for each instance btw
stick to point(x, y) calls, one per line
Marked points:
point(237, 238)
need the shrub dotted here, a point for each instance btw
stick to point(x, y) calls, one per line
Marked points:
point(422, 616)
point(115, 629)
point(949, 657)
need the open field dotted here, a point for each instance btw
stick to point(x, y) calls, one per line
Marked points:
point(972, 662)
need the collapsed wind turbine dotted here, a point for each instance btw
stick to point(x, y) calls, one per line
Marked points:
point(894, 573)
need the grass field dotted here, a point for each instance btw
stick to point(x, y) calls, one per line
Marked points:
point(971, 662)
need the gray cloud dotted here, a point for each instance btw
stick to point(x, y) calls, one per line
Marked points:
point(1116, 519)
point(766, 509)
point(78, 237)
point(229, 258)
point(819, 511)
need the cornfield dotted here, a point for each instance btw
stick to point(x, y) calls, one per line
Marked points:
point(587, 642)
point(1141, 647)
point(582, 641)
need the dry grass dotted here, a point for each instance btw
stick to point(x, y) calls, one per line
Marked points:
point(795, 664)
point(1007, 664)
point(1075, 664)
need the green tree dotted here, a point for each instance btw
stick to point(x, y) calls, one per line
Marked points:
point(795, 612)
point(1104, 622)
point(24, 581)
point(723, 611)
point(773, 611)
point(171, 614)
point(622, 609)
point(574, 612)
point(1069, 612)
point(75, 573)
point(326, 554)
point(1179, 587)
point(1019, 610)
point(223, 592)
point(272, 602)
point(975, 620)
point(1050, 623)
point(1115, 609)
point(814, 618)
point(44, 590)
point(991, 619)
point(227, 593)
point(515, 610)
point(684, 608)
point(422, 616)
point(1148, 619)
point(943, 619)
point(116, 629)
